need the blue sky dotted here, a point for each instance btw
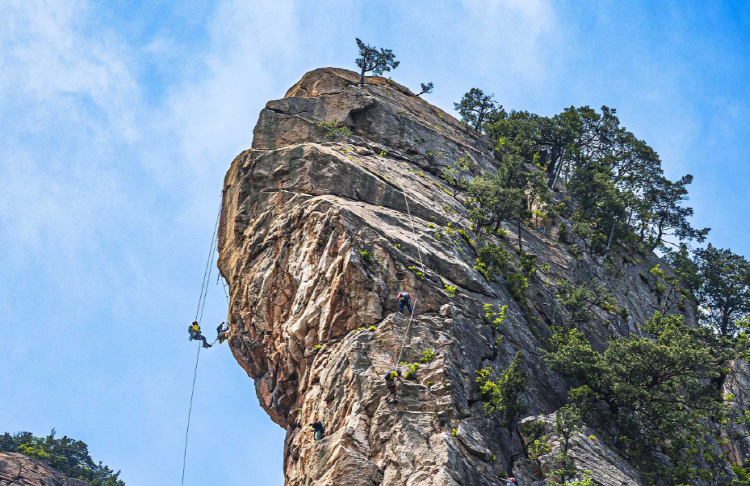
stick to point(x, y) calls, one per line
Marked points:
point(119, 120)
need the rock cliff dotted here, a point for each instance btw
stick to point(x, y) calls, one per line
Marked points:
point(18, 469)
point(317, 237)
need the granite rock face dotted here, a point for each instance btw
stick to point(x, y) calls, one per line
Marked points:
point(316, 240)
point(21, 470)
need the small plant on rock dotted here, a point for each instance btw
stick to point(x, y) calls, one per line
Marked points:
point(335, 133)
point(427, 356)
point(450, 290)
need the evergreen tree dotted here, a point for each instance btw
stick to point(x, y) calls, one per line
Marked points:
point(372, 60)
point(502, 396)
point(426, 89)
point(475, 107)
point(723, 291)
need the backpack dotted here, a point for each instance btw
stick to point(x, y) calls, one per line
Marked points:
point(191, 331)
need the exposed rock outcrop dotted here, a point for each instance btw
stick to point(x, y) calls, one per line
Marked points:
point(18, 469)
point(316, 241)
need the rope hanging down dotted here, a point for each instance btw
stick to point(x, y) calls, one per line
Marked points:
point(198, 318)
point(421, 264)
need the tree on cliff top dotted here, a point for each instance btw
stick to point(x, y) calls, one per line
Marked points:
point(475, 107)
point(69, 456)
point(372, 60)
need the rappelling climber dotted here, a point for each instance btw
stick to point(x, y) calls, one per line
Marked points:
point(318, 428)
point(404, 299)
point(222, 333)
point(195, 333)
point(390, 383)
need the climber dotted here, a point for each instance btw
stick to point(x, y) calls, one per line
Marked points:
point(317, 426)
point(404, 299)
point(222, 333)
point(390, 383)
point(195, 333)
point(508, 481)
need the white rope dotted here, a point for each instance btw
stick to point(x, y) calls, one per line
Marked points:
point(421, 264)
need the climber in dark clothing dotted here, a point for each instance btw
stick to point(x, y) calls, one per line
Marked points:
point(195, 333)
point(222, 333)
point(318, 428)
point(390, 383)
point(404, 299)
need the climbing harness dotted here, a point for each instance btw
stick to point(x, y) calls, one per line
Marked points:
point(198, 318)
point(421, 264)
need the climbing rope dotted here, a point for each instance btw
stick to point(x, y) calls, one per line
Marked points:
point(421, 264)
point(199, 318)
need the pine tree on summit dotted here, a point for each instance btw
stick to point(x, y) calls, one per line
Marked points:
point(372, 60)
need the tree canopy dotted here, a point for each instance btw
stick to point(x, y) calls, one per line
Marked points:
point(372, 60)
point(67, 455)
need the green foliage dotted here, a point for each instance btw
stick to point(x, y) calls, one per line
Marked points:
point(476, 107)
point(517, 285)
point(427, 356)
point(334, 132)
point(454, 432)
point(579, 301)
point(411, 370)
point(372, 60)
point(496, 318)
point(453, 174)
point(660, 383)
point(68, 455)
point(501, 396)
point(537, 446)
point(419, 275)
point(492, 261)
point(366, 257)
point(426, 89)
point(373, 328)
point(318, 347)
point(723, 291)
point(528, 264)
point(562, 234)
point(450, 290)
point(383, 153)
point(741, 473)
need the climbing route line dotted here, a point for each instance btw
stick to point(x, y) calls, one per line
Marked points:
point(198, 318)
point(421, 264)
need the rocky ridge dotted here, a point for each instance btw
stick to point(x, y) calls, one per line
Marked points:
point(316, 240)
point(18, 469)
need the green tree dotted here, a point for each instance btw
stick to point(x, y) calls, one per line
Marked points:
point(453, 174)
point(426, 89)
point(475, 107)
point(502, 397)
point(372, 60)
point(666, 216)
point(579, 301)
point(660, 382)
point(567, 424)
point(724, 290)
point(67, 455)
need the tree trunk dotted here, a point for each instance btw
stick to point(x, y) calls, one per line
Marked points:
point(511, 459)
point(520, 242)
point(362, 77)
point(609, 243)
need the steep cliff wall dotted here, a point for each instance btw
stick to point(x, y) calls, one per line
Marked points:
point(316, 242)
